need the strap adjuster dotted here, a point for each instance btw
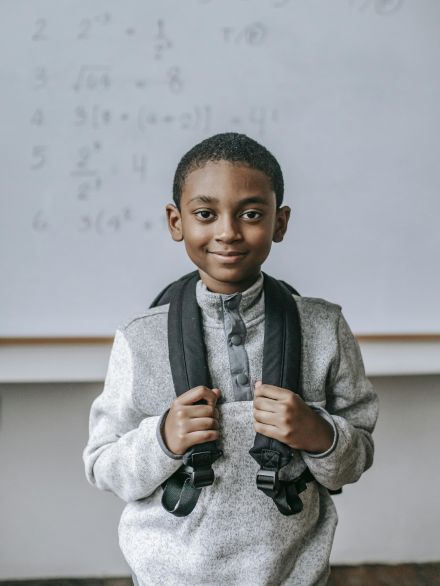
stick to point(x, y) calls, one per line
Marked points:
point(267, 480)
point(200, 472)
point(202, 477)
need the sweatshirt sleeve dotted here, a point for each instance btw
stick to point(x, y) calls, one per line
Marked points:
point(123, 454)
point(352, 406)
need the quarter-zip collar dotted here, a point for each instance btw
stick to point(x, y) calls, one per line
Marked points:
point(250, 302)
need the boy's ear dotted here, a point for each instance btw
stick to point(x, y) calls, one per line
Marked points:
point(281, 222)
point(174, 222)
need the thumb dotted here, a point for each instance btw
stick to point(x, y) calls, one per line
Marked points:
point(257, 385)
point(217, 392)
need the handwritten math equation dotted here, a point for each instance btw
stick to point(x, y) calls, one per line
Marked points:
point(94, 121)
point(104, 105)
point(103, 222)
point(95, 28)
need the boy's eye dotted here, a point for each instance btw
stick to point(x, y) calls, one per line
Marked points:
point(254, 215)
point(205, 214)
point(208, 215)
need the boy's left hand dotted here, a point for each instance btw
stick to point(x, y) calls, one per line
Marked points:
point(284, 416)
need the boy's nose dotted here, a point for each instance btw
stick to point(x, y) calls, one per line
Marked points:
point(228, 230)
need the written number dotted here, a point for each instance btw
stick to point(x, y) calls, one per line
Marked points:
point(40, 30)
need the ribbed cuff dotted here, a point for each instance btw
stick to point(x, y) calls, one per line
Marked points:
point(159, 431)
point(325, 415)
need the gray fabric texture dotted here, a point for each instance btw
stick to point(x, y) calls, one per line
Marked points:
point(235, 535)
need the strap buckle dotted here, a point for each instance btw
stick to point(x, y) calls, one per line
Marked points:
point(201, 478)
point(201, 473)
point(267, 480)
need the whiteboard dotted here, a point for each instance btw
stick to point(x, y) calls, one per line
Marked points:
point(100, 99)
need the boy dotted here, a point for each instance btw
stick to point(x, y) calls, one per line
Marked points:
point(228, 192)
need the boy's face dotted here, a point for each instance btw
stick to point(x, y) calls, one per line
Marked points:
point(228, 221)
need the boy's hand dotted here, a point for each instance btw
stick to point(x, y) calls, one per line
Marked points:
point(284, 416)
point(187, 424)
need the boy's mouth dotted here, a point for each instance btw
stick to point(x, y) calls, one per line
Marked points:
point(229, 253)
point(228, 257)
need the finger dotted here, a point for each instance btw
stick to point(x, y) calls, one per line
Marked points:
point(202, 423)
point(265, 417)
point(268, 430)
point(271, 392)
point(217, 392)
point(266, 404)
point(200, 393)
point(213, 396)
point(193, 411)
point(200, 437)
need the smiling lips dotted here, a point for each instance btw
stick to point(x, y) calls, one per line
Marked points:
point(230, 253)
point(230, 256)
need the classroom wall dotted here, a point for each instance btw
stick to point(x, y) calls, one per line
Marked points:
point(101, 99)
point(54, 524)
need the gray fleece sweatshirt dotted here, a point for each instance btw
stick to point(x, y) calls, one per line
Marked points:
point(235, 535)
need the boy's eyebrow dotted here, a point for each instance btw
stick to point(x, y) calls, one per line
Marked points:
point(211, 199)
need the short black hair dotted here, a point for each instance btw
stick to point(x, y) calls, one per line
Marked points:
point(235, 148)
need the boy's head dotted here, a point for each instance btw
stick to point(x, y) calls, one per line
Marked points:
point(235, 148)
point(228, 191)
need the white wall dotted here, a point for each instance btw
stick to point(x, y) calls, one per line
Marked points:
point(54, 524)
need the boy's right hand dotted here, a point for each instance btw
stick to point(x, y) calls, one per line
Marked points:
point(187, 424)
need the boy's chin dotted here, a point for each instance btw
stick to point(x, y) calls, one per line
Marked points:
point(229, 277)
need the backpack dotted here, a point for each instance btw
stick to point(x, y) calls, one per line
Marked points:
point(188, 361)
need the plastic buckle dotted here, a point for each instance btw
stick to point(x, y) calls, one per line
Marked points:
point(267, 480)
point(201, 478)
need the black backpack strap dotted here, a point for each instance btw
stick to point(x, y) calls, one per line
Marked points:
point(189, 368)
point(281, 367)
point(165, 295)
point(289, 287)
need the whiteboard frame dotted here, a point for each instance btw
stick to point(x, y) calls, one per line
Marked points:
point(85, 360)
